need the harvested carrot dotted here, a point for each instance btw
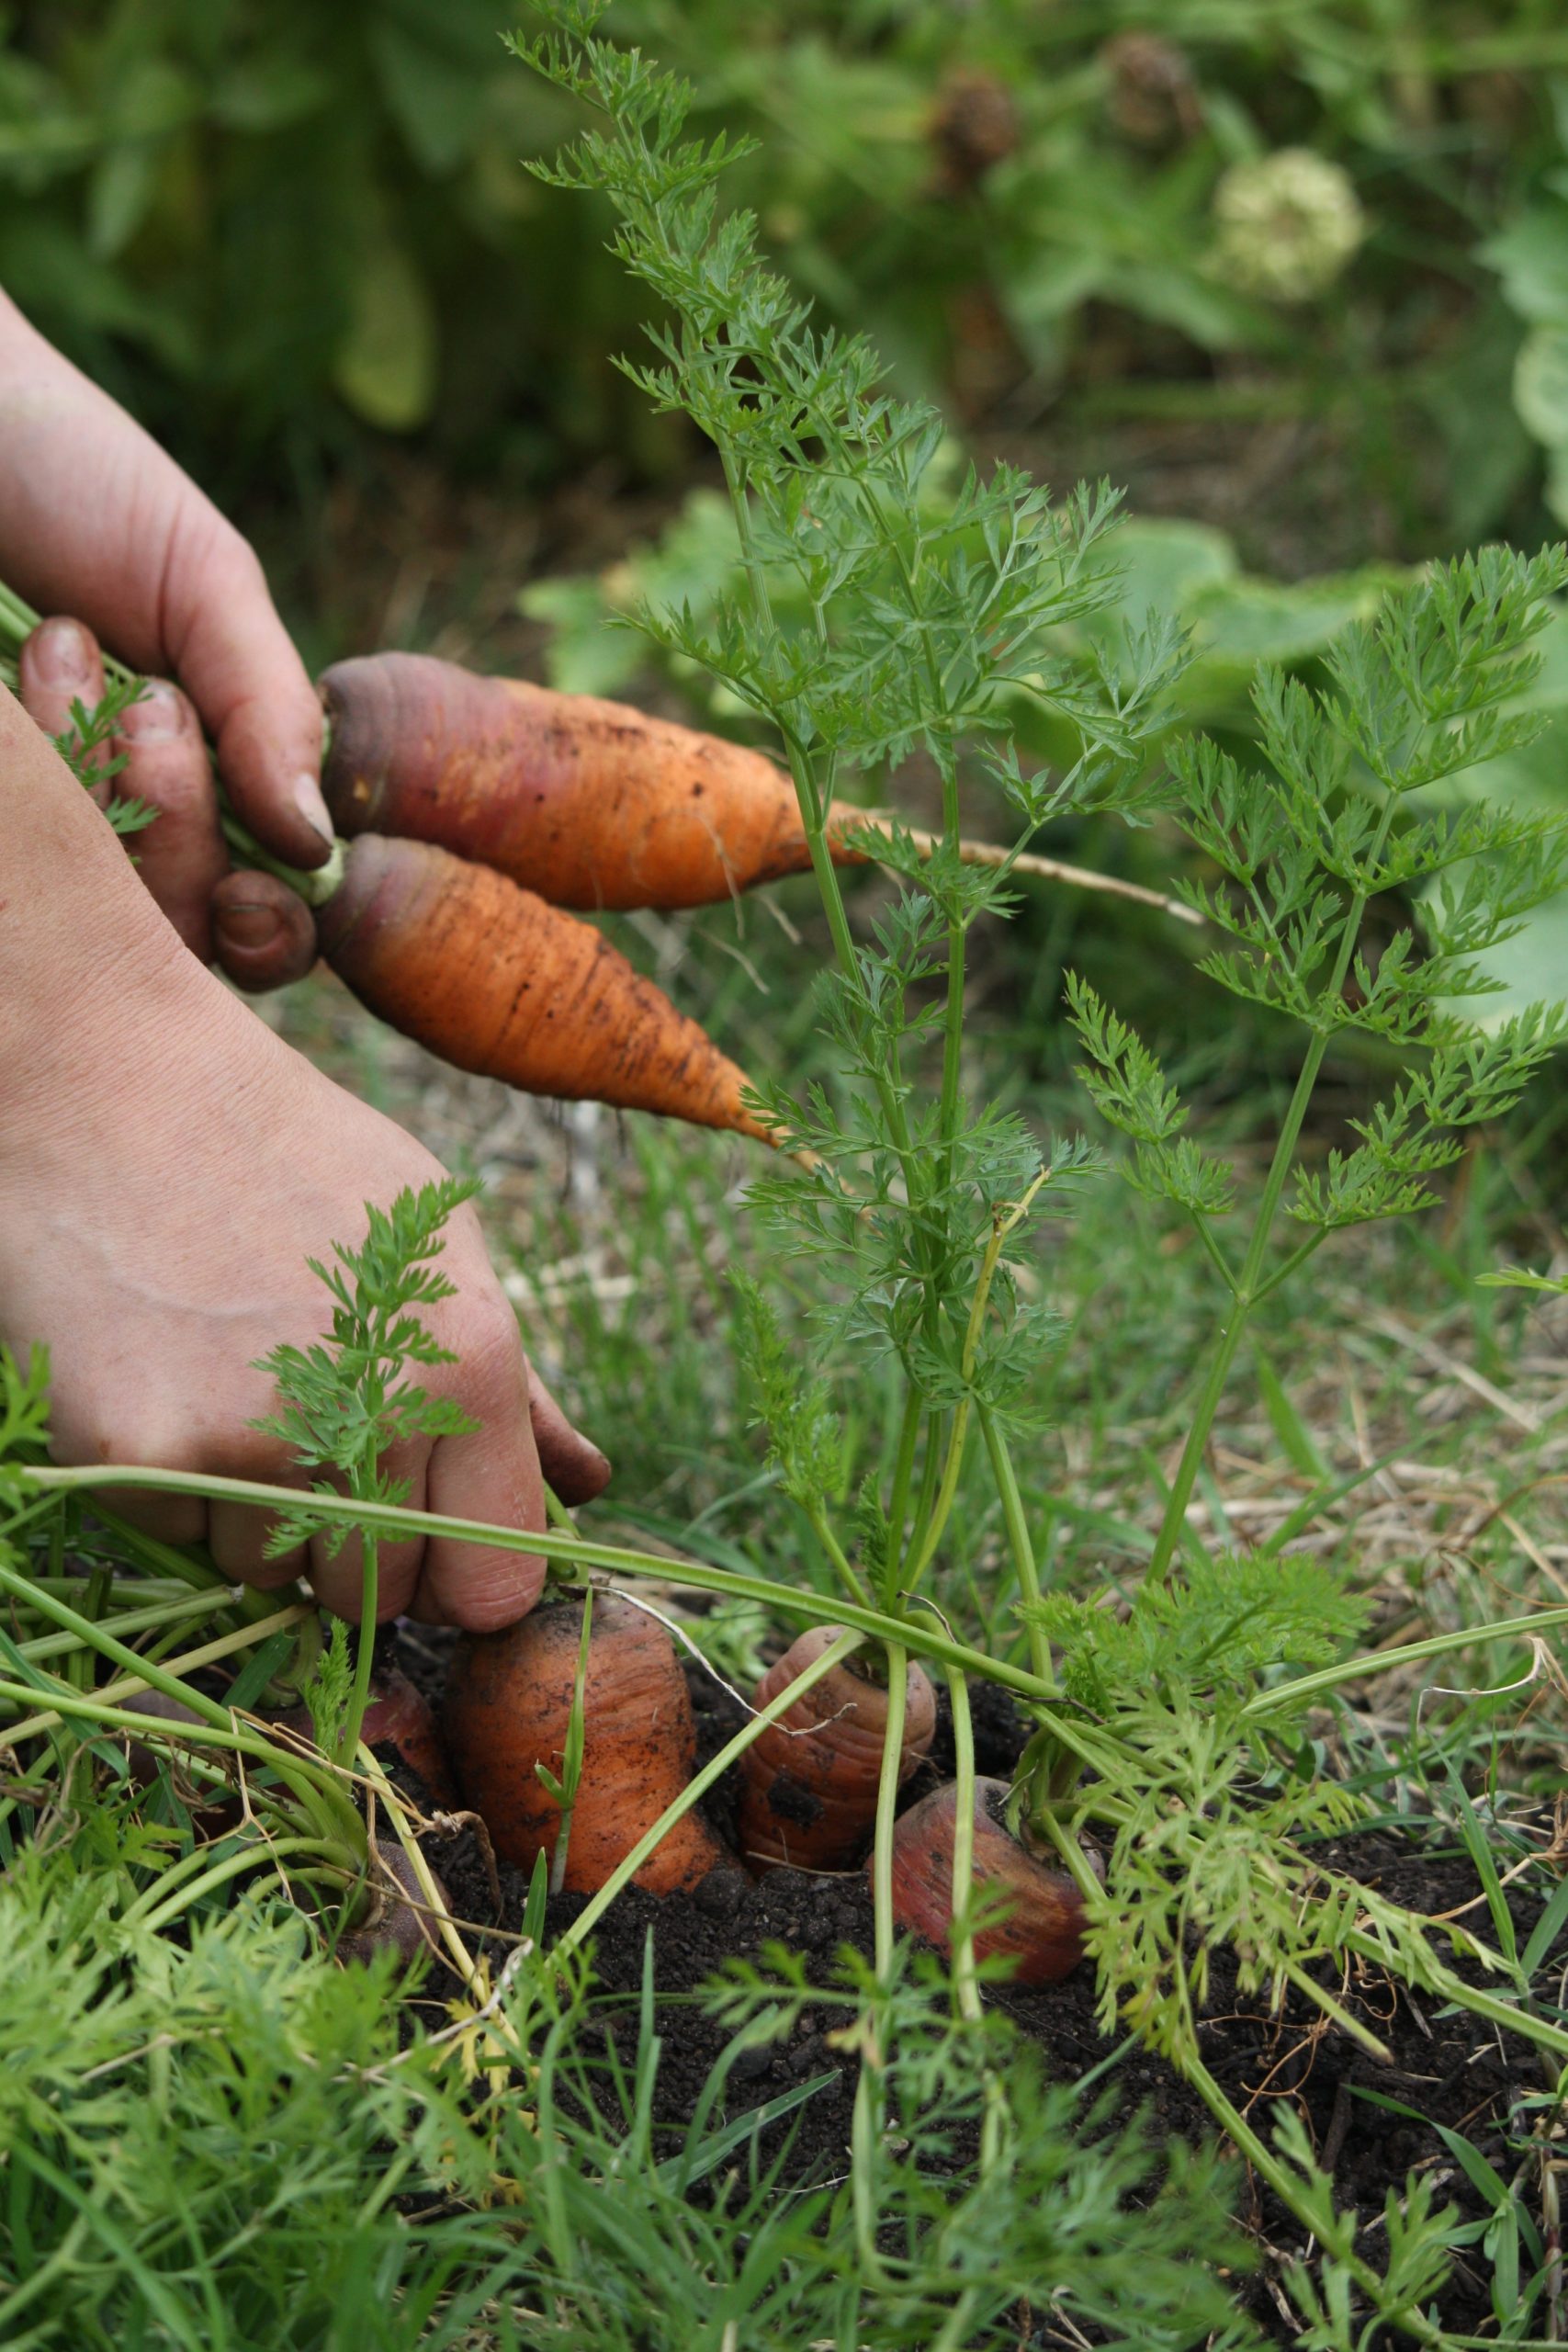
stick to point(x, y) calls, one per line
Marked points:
point(809, 1783)
point(1043, 1927)
point(492, 979)
point(508, 1707)
point(592, 804)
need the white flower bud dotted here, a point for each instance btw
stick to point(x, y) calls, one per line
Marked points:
point(1287, 225)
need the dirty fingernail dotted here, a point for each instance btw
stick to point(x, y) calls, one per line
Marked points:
point(157, 711)
point(311, 806)
point(62, 653)
point(248, 926)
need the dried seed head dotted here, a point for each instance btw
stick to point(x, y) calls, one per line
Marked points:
point(974, 128)
point(1149, 93)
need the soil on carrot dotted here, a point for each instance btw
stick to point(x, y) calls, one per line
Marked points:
point(1449, 2072)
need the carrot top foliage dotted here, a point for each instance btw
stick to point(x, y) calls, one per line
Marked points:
point(880, 619)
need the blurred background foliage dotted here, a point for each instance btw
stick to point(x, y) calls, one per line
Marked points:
point(1295, 271)
point(273, 226)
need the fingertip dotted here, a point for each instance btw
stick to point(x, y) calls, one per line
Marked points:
point(572, 1464)
point(181, 855)
point(584, 1478)
point(265, 936)
point(60, 665)
point(271, 761)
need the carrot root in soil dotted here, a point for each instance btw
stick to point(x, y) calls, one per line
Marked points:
point(809, 1783)
point(508, 1707)
point(1043, 1927)
point(592, 804)
point(494, 980)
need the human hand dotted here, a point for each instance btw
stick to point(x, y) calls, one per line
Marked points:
point(166, 1166)
point(98, 521)
point(260, 933)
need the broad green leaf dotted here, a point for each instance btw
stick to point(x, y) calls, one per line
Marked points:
point(1541, 383)
point(434, 93)
point(587, 654)
point(1531, 257)
point(1245, 620)
point(385, 367)
point(1165, 567)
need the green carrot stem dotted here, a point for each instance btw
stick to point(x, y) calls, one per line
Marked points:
point(125, 1686)
point(697, 1575)
point(886, 1806)
point(263, 1849)
point(965, 1983)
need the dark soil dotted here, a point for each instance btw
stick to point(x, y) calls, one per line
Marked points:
point(1451, 2070)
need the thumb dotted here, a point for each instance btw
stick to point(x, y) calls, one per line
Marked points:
point(571, 1463)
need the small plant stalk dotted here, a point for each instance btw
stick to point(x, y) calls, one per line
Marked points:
point(1251, 1283)
point(887, 1806)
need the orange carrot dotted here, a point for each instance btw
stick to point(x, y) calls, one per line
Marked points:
point(494, 980)
point(809, 1783)
point(508, 1706)
point(1043, 1927)
point(590, 803)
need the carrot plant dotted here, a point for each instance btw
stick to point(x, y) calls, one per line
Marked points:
point(871, 626)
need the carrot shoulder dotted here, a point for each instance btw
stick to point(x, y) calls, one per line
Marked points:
point(809, 1783)
point(494, 980)
point(508, 1708)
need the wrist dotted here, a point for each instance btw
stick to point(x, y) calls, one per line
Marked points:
point(98, 999)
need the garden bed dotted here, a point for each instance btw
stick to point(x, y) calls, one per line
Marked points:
point(1442, 2105)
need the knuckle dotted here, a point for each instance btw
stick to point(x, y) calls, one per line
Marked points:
point(151, 1442)
point(489, 1347)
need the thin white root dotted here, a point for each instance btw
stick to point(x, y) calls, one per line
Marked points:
point(1045, 869)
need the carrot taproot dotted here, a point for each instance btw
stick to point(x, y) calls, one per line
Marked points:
point(592, 804)
point(399, 1919)
point(508, 1707)
point(494, 980)
point(808, 1783)
point(1043, 1928)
